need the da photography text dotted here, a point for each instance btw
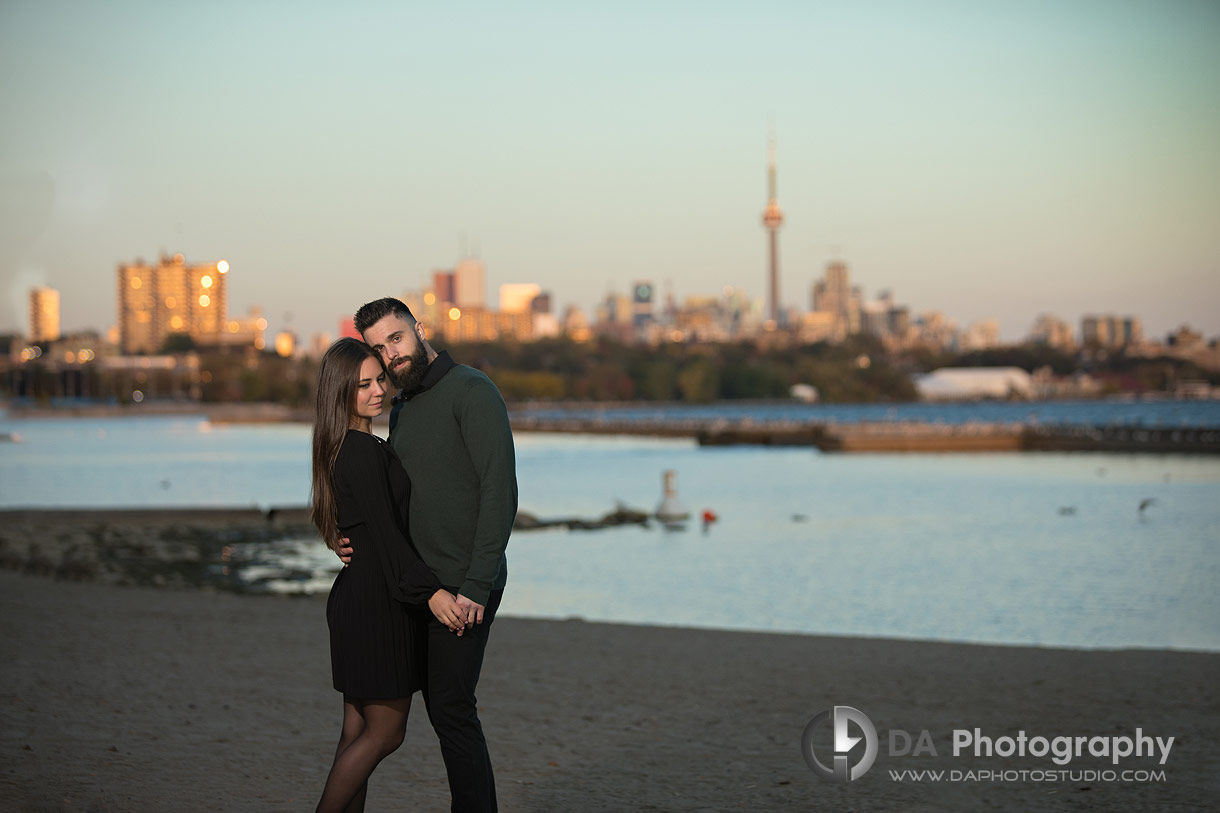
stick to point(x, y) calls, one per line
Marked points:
point(832, 740)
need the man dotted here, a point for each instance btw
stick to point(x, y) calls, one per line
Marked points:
point(450, 428)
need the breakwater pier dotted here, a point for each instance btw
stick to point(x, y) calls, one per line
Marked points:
point(895, 436)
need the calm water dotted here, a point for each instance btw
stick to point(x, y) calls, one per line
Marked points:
point(951, 547)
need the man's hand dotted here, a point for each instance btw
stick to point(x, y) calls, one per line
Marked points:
point(447, 611)
point(473, 610)
point(345, 551)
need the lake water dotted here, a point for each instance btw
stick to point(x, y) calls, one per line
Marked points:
point(1030, 548)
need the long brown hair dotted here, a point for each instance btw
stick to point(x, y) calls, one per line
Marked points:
point(337, 380)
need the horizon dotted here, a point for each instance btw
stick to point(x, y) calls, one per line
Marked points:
point(996, 162)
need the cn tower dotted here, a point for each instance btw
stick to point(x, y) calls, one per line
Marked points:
point(773, 218)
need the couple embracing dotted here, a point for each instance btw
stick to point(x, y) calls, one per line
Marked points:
point(421, 521)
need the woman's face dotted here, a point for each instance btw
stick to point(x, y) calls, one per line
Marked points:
point(370, 389)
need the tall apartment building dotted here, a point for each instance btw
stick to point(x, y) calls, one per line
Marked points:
point(44, 315)
point(156, 301)
point(469, 284)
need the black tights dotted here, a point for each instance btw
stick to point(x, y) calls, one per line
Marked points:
point(372, 730)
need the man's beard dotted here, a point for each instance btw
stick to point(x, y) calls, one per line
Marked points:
point(409, 377)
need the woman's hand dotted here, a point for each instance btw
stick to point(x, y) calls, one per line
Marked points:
point(344, 551)
point(444, 606)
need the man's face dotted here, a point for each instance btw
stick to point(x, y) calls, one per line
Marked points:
point(395, 340)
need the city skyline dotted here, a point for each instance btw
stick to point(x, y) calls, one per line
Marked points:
point(995, 163)
point(176, 298)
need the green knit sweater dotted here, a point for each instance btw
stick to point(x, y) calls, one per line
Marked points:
point(455, 443)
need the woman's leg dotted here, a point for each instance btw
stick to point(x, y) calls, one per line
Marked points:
point(385, 722)
point(353, 724)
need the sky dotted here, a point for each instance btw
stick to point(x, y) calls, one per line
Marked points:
point(989, 160)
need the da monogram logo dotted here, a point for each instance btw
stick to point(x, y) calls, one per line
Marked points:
point(840, 717)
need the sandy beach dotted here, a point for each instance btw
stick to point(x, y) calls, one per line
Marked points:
point(134, 698)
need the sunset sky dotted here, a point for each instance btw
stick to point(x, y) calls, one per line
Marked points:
point(984, 159)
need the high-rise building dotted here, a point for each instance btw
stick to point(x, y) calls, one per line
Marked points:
point(1110, 330)
point(1095, 330)
point(834, 294)
point(442, 286)
point(44, 315)
point(642, 296)
point(1130, 331)
point(518, 297)
point(541, 303)
point(156, 301)
point(469, 284)
point(875, 318)
point(899, 321)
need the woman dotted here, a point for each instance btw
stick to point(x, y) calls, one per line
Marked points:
point(376, 646)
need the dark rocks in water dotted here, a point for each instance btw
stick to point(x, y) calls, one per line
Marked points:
point(527, 522)
point(624, 516)
point(619, 516)
point(164, 548)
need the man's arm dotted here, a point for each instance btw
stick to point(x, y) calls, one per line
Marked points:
point(483, 420)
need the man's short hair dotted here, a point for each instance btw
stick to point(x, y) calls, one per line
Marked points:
point(373, 312)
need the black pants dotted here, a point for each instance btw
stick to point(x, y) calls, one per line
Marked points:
point(453, 673)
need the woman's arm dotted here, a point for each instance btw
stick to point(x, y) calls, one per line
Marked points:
point(361, 472)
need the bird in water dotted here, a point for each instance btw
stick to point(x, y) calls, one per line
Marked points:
point(1144, 503)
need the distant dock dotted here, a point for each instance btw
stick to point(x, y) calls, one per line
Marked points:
point(907, 436)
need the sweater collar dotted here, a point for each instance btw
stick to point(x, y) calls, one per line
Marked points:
point(440, 365)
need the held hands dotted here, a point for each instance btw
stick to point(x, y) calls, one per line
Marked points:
point(455, 612)
point(472, 610)
point(448, 611)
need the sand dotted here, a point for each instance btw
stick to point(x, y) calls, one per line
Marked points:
point(133, 698)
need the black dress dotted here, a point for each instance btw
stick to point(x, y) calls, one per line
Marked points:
point(377, 646)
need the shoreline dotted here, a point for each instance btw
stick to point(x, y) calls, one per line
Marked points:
point(827, 436)
point(131, 698)
point(276, 551)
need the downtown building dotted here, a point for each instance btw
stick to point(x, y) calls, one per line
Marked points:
point(455, 308)
point(1051, 331)
point(836, 308)
point(44, 315)
point(170, 298)
point(1110, 331)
